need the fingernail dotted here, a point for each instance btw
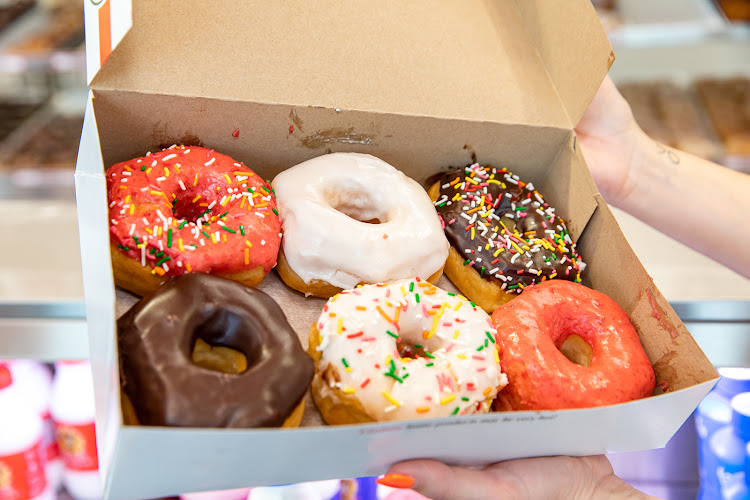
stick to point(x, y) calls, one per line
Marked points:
point(396, 481)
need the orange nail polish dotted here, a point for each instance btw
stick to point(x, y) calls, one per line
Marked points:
point(396, 480)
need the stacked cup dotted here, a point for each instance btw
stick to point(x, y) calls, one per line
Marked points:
point(723, 434)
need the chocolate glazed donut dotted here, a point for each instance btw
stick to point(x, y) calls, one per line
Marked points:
point(503, 235)
point(156, 339)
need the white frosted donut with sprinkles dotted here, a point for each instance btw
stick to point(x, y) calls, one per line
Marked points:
point(402, 351)
point(350, 219)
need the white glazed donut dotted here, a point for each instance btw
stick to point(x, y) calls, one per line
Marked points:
point(327, 206)
point(403, 350)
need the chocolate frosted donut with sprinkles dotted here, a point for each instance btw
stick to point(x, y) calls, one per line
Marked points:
point(189, 209)
point(503, 235)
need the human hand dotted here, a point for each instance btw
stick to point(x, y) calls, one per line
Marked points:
point(527, 478)
point(609, 136)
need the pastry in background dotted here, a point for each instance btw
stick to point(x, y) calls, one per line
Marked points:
point(13, 114)
point(687, 121)
point(670, 114)
point(11, 10)
point(727, 102)
point(735, 10)
point(609, 14)
point(52, 145)
point(642, 99)
point(64, 30)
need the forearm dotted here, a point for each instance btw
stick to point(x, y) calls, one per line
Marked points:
point(697, 202)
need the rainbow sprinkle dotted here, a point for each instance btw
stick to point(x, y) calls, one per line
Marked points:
point(503, 228)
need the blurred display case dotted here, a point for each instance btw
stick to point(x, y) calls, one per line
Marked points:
point(42, 99)
point(670, 54)
point(684, 66)
point(48, 136)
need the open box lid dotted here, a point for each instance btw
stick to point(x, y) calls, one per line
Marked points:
point(534, 62)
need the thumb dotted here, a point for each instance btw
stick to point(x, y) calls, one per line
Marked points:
point(438, 481)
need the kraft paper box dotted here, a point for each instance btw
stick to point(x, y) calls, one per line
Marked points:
point(424, 85)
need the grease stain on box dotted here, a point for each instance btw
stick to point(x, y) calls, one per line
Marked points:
point(666, 372)
point(658, 313)
point(296, 121)
point(336, 135)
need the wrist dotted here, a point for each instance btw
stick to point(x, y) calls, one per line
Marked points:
point(638, 150)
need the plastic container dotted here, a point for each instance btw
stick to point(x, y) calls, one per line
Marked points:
point(713, 413)
point(34, 380)
point(234, 494)
point(727, 450)
point(72, 409)
point(315, 490)
point(22, 475)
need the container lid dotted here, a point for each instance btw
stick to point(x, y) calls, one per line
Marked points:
point(741, 415)
point(733, 381)
point(5, 378)
point(536, 62)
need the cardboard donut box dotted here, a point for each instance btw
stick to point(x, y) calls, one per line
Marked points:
point(425, 86)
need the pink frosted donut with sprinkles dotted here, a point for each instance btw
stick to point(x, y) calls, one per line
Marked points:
point(401, 351)
point(189, 209)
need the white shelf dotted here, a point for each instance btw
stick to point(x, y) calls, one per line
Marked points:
point(43, 339)
point(42, 312)
point(648, 23)
point(682, 63)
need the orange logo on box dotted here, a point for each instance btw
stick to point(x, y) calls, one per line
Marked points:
point(105, 32)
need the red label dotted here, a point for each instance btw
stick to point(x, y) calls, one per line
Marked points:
point(77, 445)
point(22, 474)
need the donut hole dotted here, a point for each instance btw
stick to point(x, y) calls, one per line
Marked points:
point(509, 223)
point(577, 350)
point(221, 344)
point(356, 203)
point(410, 350)
point(183, 206)
point(218, 358)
